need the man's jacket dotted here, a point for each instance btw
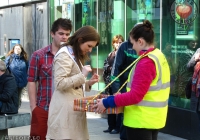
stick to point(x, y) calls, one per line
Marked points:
point(125, 56)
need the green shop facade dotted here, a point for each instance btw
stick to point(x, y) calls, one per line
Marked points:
point(176, 25)
point(177, 31)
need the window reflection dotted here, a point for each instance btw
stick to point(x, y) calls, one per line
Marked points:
point(178, 41)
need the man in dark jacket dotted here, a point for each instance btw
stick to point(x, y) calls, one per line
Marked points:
point(8, 91)
point(125, 56)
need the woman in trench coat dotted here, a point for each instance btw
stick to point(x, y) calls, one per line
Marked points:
point(69, 83)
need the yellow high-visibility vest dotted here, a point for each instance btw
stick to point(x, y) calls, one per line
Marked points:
point(151, 112)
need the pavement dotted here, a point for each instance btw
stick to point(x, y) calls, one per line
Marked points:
point(96, 125)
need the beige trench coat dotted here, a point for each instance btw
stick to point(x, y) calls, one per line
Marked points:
point(63, 121)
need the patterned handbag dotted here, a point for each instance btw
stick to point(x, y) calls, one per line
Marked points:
point(82, 104)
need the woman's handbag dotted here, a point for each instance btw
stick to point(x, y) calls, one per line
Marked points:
point(80, 105)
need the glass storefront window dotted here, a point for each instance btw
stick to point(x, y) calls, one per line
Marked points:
point(100, 14)
point(64, 9)
point(58, 8)
point(110, 23)
point(180, 41)
point(170, 37)
point(139, 10)
point(175, 25)
point(86, 14)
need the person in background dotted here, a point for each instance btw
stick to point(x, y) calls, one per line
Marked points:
point(8, 91)
point(194, 99)
point(69, 83)
point(125, 56)
point(108, 64)
point(40, 77)
point(193, 45)
point(17, 63)
point(146, 100)
point(185, 51)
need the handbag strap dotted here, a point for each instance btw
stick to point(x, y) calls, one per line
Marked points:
point(122, 86)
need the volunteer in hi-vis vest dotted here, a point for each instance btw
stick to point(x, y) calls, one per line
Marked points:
point(148, 87)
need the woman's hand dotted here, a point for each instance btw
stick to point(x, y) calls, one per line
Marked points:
point(86, 69)
point(94, 79)
point(99, 106)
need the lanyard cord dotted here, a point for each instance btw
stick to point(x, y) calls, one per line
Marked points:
point(86, 107)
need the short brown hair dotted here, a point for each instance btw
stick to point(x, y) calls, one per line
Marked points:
point(63, 23)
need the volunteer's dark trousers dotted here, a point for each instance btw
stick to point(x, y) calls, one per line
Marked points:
point(141, 134)
point(122, 127)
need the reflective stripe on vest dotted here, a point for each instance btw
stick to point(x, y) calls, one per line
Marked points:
point(153, 104)
point(151, 111)
point(159, 84)
point(157, 87)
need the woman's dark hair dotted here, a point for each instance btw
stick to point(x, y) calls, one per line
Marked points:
point(143, 30)
point(23, 53)
point(63, 23)
point(82, 35)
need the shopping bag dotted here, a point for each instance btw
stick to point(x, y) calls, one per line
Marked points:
point(86, 104)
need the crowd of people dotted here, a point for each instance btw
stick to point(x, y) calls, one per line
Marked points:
point(57, 74)
point(13, 79)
